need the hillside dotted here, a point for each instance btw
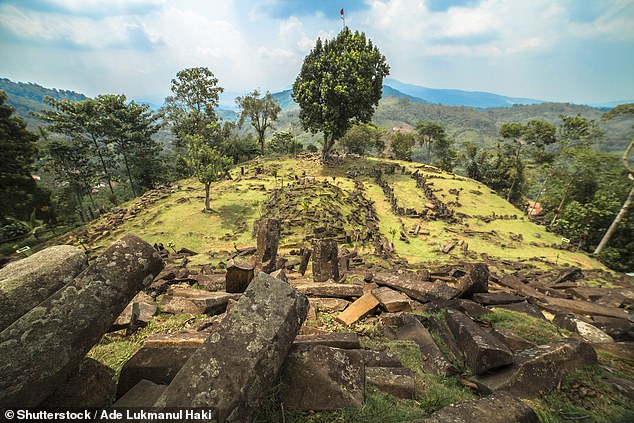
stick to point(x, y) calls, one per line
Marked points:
point(448, 212)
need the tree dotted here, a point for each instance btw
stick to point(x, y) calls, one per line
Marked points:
point(84, 120)
point(445, 155)
point(207, 163)
point(401, 145)
point(430, 133)
point(129, 128)
point(362, 137)
point(191, 108)
point(284, 142)
point(261, 112)
point(240, 148)
point(19, 194)
point(340, 83)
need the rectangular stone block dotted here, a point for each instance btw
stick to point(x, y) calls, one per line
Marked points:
point(358, 309)
point(392, 301)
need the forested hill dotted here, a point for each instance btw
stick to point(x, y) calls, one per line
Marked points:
point(29, 97)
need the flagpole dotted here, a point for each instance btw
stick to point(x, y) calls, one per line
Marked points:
point(343, 18)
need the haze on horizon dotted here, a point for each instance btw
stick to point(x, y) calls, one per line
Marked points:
point(556, 50)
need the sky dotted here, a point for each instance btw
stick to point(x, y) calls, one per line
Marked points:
point(579, 51)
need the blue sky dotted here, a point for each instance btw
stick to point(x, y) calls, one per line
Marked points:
point(559, 50)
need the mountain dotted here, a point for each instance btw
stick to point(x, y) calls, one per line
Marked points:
point(477, 99)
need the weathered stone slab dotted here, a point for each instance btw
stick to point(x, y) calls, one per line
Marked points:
point(239, 275)
point(174, 340)
point(524, 307)
point(268, 239)
point(335, 290)
point(409, 328)
point(379, 358)
point(343, 340)
point(322, 378)
point(42, 348)
point(514, 342)
point(392, 301)
point(398, 381)
point(497, 408)
point(539, 369)
point(586, 330)
point(325, 260)
point(237, 365)
point(475, 280)
point(92, 386)
point(329, 304)
point(360, 308)
point(147, 310)
point(495, 298)
point(143, 395)
point(196, 301)
point(26, 283)
point(156, 364)
point(482, 351)
point(409, 283)
point(468, 307)
point(618, 329)
point(280, 274)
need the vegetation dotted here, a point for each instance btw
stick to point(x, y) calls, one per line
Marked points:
point(339, 84)
point(207, 164)
point(401, 144)
point(261, 112)
point(363, 138)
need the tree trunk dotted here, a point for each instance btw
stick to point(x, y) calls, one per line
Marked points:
point(127, 168)
point(615, 223)
point(103, 164)
point(207, 187)
point(261, 139)
point(561, 203)
point(517, 164)
point(329, 141)
point(80, 207)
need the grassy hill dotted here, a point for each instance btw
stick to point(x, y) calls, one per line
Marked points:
point(347, 200)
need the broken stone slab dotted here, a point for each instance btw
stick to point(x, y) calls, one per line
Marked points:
point(468, 307)
point(41, 349)
point(439, 327)
point(618, 329)
point(26, 283)
point(392, 301)
point(343, 340)
point(539, 369)
point(327, 289)
point(360, 308)
point(268, 239)
point(239, 276)
point(373, 358)
point(325, 260)
point(398, 381)
point(237, 365)
point(496, 408)
point(322, 378)
point(496, 298)
point(147, 311)
point(280, 274)
point(174, 340)
point(582, 327)
point(475, 280)
point(524, 307)
point(408, 328)
point(514, 342)
point(409, 284)
point(196, 301)
point(155, 364)
point(211, 282)
point(329, 304)
point(93, 386)
point(143, 395)
point(482, 351)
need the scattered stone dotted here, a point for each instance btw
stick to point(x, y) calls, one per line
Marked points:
point(143, 395)
point(305, 253)
point(392, 301)
point(280, 274)
point(360, 308)
point(398, 381)
point(26, 283)
point(514, 342)
point(379, 358)
point(410, 285)
point(334, 290)
point(523, 307)
point(42, 348)
point(175, 340)
point(237, 365)
point(239, 275)
point(496, 298)
point(618, 329)
point(496, 408)
point(539, 369)
point(147, 311)
point(476, 280)
point(155, 364)
point(325, 260)
point(329, 304)
point(92, 386)
point(343, 340)
point(268, 239)
point(569, 275)
point(195, 301)
point(321, 378)
point(482, 350)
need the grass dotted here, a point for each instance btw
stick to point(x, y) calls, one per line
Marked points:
point(528, 327)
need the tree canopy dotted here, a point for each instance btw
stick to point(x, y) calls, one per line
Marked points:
point(340, 83)
point(261, 111)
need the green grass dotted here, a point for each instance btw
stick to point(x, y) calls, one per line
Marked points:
point(528, 327)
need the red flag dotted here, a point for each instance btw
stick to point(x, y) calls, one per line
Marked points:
point(341, 12)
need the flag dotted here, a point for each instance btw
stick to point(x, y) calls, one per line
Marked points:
point(341, 13)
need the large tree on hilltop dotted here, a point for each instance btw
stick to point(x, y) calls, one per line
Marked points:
point(261, 112)
point(191, 108)
point(340, 83)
